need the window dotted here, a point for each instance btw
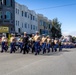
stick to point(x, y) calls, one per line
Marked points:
point(25, 25)
point(11, 2)
point(16, 22)
point(22, 13)
point(11, 16)
point(11, 29)
point(49, 26)
point(25, 14)
point(16, 10)
point(8, 2)
point(28, 16)
point(8, 15)
point(0, 14)
point(41, 22)
point(31, 27)
point(22, 25)
point(19, 30)
point(31, 17)
point(28, 25)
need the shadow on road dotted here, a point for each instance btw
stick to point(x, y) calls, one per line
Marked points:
point(56, 53)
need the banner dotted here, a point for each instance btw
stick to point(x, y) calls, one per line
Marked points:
point(4, 29)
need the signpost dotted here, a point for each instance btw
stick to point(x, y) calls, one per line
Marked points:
point(4, 29)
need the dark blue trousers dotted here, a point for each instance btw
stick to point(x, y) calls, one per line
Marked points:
point(37, 50)
point(12, 45)
point(48, 47)
point(44, 47)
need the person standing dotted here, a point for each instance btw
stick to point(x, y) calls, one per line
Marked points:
point(37, 43)
point(48, 43)
point(52, 45)
point(25, 43)
point(55, 45)
point(21, 44)
point(3, 43)
point(12, 43)
point(33, 43)
point(60, 45)
point(43, 41)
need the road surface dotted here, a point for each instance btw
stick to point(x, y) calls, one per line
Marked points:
point(59, 63)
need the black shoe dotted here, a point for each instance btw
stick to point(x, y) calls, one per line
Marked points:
point(43, 52)
point(10, 52)
point(24, 53)
point(1, 51)
point(35, 53)
point(48, 51)
point(55, 50)
point(20, 51)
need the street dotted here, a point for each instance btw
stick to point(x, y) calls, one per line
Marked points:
point(59, 63)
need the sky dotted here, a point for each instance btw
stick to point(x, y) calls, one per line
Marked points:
point(66, 15)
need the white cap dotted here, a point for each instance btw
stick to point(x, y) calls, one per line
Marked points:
point(37, 31)
point(25, 32)
point(48, 36)
point(43, 34)
point(12, 34)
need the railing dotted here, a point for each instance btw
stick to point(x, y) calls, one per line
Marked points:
point(8, 21)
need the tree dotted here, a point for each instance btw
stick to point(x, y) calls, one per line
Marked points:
point(73, 39)
point(56, 28)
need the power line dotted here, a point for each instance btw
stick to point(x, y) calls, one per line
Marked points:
point(56, 6)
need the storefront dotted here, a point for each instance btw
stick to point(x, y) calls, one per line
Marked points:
point(4, 30)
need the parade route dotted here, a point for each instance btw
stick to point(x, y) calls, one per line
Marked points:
point(59, 63)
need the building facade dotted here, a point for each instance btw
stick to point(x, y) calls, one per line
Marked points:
point(25, 20)
point(17, 18)
point(7, 16)
point(44, 25)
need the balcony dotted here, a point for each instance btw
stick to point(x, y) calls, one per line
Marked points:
point(8, 21)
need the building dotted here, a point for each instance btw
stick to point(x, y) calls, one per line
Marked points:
point(7, 16)
point(17, 18)
point(44, 25)
point(25, 20)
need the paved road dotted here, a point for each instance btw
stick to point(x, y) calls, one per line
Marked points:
point(60, 63)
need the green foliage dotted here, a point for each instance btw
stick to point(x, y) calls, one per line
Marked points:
point(56, 28)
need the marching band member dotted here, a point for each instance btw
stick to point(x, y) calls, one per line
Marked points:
point(33, 43)
point(52, 44)
point(4, 43)
point(56, 45)
point(37, 42)
point(60, 45)
point(21, 44)
point(12, 43)
point(43, 41)
point(25, 43)
point(48, 43)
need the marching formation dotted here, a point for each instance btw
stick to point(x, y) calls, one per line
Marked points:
point(35, 44)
